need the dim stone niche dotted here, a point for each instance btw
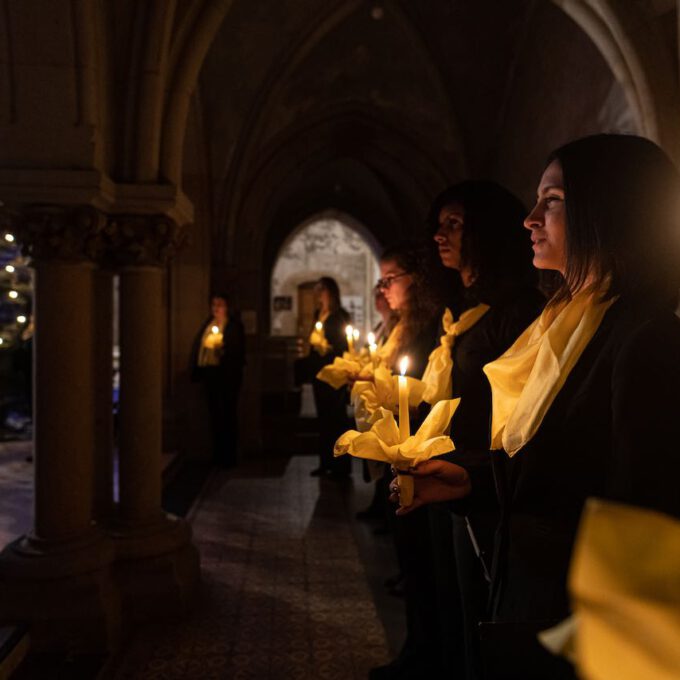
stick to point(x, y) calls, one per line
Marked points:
point(328, 244)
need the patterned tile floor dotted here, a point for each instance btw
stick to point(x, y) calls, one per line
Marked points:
point(285, 594)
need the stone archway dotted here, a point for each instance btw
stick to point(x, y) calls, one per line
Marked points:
point(333, 244)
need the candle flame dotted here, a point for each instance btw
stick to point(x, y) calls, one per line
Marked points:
point(349, 331)
point(371, 338)
point(215, 329)
point(403, 365)
point(355, 333)
point(319, 326)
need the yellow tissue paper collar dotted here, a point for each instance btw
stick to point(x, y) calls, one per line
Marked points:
point(437, 375)
point(526, 379)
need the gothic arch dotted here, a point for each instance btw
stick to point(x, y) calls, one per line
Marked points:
point(639, 60)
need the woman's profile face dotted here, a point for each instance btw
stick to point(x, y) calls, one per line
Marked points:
point(548, 221)
point(449, 236)
point(396, 284)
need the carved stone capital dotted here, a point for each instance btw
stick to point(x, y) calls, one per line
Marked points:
point(71, 233)
point(142, 240)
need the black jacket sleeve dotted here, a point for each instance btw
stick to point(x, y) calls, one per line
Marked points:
point(644, 468)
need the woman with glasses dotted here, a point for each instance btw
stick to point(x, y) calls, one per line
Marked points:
point(585, 401)
point(408, 284)
point(411, 287)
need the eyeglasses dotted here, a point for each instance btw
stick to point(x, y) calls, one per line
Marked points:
point(385, 283)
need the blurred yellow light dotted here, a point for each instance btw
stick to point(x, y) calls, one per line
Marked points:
point(9, 238)
point(9, 268)
point(13, 294)
point(21, 318)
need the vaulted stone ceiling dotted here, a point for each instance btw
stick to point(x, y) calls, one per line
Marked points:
point(373, 107)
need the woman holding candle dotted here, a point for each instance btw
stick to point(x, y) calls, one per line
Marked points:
point(330, 403)
point(478, 231)
point(218, 357)
point(408, 283)
point(585, 401)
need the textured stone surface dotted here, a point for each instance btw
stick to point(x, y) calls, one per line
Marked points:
point(285, 594)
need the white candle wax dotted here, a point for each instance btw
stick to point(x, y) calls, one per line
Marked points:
point(404, 424)
point(349, 332)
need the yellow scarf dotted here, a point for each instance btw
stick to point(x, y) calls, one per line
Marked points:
point(526, 379)
point(387, 352)
point(437, 375)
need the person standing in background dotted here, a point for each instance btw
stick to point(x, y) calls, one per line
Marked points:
point(218, 358)
point(330, 403)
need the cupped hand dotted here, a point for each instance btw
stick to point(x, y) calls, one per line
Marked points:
point(434, 481)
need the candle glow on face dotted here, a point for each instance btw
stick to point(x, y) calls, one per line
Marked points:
point(403, 365)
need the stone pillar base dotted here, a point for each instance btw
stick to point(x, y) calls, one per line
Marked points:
point(156, 570)
point(64, 591)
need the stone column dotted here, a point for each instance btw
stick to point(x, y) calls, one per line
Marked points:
point(157, 566)
point(58, 576)
point(141, 343)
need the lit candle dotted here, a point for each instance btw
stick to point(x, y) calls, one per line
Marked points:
point(349, 332)
point(13, 294)
point(355, 336)
point(215, 338)
point(372, 347)
point(319, 326)
point(404, 424)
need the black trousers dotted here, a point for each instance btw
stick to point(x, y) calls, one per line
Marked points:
point(222, 391)
point(332, 418)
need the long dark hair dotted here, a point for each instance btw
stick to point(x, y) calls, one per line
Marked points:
point(331, 285)
point(622, 200)
point(423, 298)
point(495, 245)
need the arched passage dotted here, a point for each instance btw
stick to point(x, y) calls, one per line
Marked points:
point(330, 243)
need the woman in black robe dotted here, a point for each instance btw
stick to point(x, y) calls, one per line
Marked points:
point(479, 233)
point(330, 403)
point(607, 219)
point(217, 360)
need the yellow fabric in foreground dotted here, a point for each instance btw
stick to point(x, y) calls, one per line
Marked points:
point(437, 375)
point(526, 379)
point(625, 584)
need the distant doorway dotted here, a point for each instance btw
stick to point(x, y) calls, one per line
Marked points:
point(328, 244)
